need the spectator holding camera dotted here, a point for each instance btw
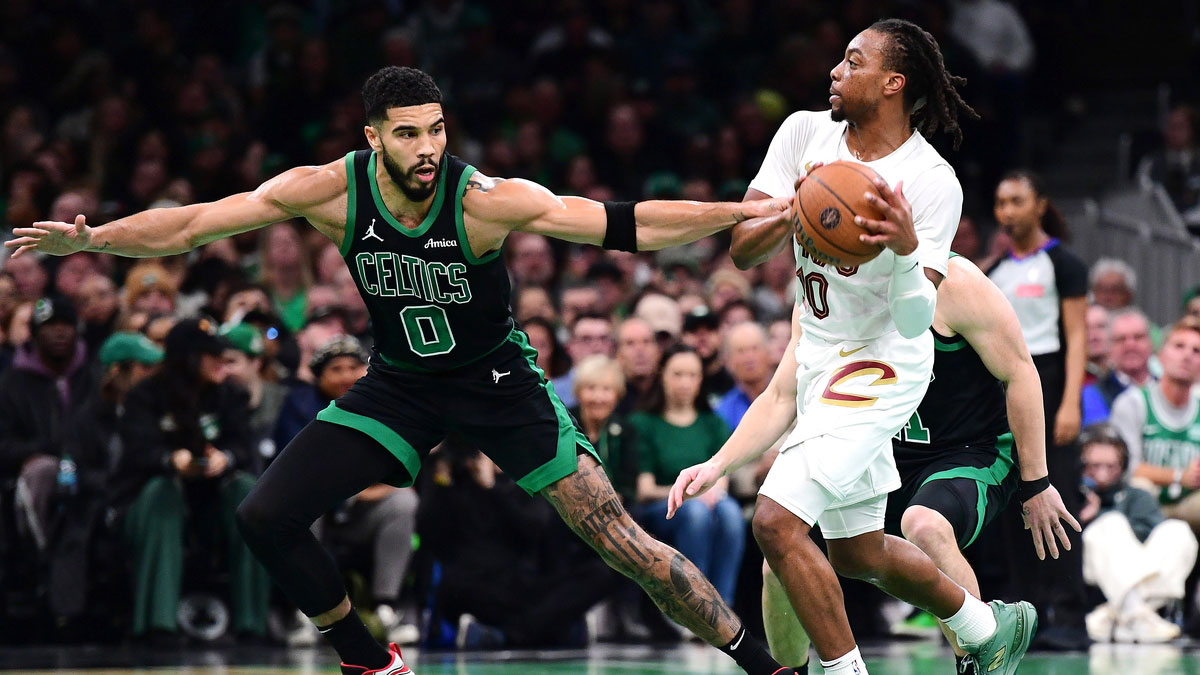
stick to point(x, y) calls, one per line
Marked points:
point(186, 445)
point(1138, 558)
point(1160, 423)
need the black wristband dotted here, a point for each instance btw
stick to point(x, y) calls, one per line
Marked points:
point(620, 233)
point(1028, 489)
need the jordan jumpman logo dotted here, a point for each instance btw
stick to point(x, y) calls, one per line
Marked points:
point(371, 232)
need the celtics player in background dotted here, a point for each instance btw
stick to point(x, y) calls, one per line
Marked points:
point(421, 232)
point(955, 456)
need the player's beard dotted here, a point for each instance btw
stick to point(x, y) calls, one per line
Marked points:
point(412, 188)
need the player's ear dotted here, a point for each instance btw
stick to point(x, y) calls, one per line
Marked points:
point(894, 84)
point(373, 138)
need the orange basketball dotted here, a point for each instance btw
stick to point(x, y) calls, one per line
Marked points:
point(824, 209)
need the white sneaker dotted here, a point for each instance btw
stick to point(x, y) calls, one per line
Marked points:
point(1100, 623)
point(394, 626)
point(395, 667)
point(306, 635)
point(1145, 626)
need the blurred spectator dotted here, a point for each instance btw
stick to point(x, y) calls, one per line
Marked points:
point(1099, 344)
point(9, 301)
point(701, 331)
point(335, 366)
point(530, 260)
point(286, 272)
point(1191, 303)
point(610, 283)
point(551, 358)
point(71, 272)
point(321, 327)
point(779, 340)
point(725, 286)
point(47, 384)
point(1095, 402)
point(94, 447)
point(488, 536)
point(775, 297)
point(186, 449)
point(29, 273)
point(735, 312)
point(638, 353)
point(576, 301)
point(1176, 166)
point(663, 315)
point(676, 430)
point(1113, 284)
point(158, 326)
point(598, 386)
point(150, 288)
point(1160, 424)
point(99, 308)
point(994, 33)
point(244, 366)
point(746, 357)
point(591, 335)
point(968, 241)
point(245, 298)
point(1129, 361)
point(533, 302)
point(1138, 558)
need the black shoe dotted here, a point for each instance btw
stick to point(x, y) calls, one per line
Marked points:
point(1060, 639)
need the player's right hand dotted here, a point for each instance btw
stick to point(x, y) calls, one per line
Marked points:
point(52, 237)
point(692, 481)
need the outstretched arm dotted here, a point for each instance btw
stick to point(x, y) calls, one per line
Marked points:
point(160, 232)
point(970, 303)
point(517, 204)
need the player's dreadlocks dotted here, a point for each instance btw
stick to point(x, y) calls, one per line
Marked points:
point(930, 93)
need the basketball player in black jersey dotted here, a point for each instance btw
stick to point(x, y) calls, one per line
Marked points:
point(421, 232)
point(955, 455)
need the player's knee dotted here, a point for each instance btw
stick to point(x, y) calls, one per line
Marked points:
point(256, 519)
point(927, 528)
point(853, 563)
point(773, 527)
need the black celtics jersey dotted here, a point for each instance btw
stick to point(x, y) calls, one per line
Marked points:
point(434, 306)
point(964, 407)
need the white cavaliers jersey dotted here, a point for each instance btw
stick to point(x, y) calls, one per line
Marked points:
point(851, 303)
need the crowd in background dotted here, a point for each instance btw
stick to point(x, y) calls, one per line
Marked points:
point(140, 399)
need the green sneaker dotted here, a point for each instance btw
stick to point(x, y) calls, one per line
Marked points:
point(1015, 625)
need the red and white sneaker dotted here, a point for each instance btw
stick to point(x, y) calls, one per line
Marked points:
point(395, 667)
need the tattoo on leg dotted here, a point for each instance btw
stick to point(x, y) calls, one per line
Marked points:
point(592, 509)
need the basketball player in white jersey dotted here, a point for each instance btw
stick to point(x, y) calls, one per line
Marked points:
point(863, 356)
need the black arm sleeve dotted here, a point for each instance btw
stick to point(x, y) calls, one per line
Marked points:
point(621, 231)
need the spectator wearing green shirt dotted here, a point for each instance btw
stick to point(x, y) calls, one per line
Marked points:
point(675, 430)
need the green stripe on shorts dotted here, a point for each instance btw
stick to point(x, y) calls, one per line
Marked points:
point(564, 463)
point(380, 433)
point(981, 509)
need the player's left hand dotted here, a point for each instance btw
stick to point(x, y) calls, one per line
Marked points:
point(1067, 423)
point(1044, 514)
point(762, 208)
point(691, 482)
point(896, 230)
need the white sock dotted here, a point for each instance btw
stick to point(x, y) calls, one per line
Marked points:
point(973, 622)
point(850, 663)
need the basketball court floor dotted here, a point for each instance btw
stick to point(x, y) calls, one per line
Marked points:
point(907, 658)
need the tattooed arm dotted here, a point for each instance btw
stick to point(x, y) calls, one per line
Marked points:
point(589, 505)
point(499, 206)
